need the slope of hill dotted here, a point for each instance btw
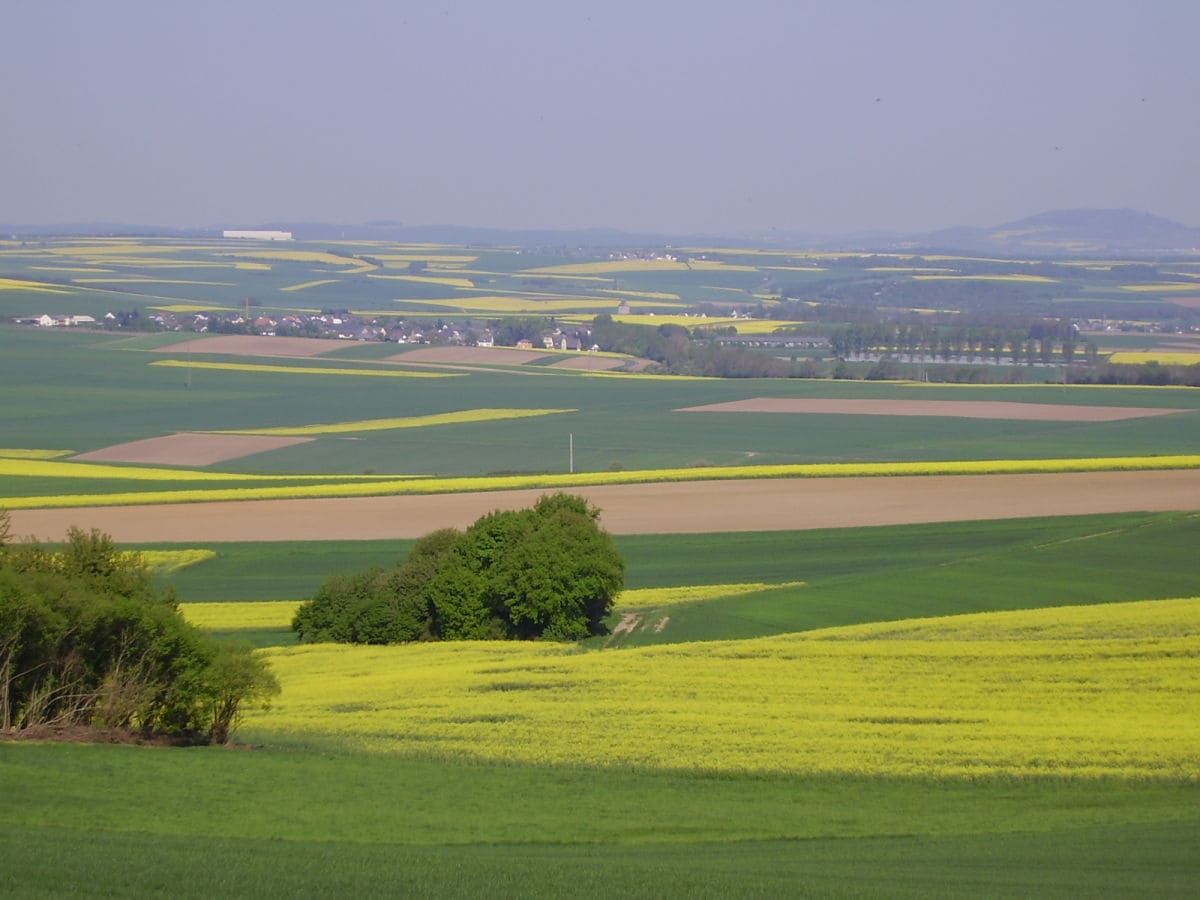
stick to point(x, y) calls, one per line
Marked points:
point(1069, 232)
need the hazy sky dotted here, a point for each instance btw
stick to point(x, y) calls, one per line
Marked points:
point(693, 117)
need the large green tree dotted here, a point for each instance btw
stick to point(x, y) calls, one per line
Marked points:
point(547, 572)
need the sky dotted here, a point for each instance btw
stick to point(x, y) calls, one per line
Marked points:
point(737, 118)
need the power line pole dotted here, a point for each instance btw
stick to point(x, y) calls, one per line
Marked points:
point(571, 453)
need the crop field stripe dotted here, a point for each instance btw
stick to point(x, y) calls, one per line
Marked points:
point(304, 285)
point(40, 467)
point(450, 418)
point(294, 370)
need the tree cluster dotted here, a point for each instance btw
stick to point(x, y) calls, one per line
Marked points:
point(546, 572)
point(88, 639)
point(683, 352)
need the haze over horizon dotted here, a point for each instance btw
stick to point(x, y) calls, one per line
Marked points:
point(653, 117)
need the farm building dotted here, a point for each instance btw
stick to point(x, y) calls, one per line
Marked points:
point(259, 235)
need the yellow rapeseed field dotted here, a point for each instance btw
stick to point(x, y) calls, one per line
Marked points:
point(166, 562)
point(304, 285)
point(313, 256)
point(20, 284)
point(142, 280)
point(1036, 279)
point(450, 418)
point(654, 598)
point(1088, 704)
point(239, 615)
point(297, 370)
point(609, 266)
point(648, 295)
point(445, 280)
point(88, 270)
point(393, 260)
point(44, 466)
point(1169, 287)
point(192, 308)
point(743, 326)
point(1162, 357)
point(636, 265)
point(520, 304)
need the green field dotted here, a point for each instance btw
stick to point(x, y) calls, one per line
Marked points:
point(96, 820)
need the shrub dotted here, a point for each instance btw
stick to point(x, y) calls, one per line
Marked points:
point(87, 639)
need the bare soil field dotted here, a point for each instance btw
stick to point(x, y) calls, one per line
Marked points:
point(589, 363)
point(189, 449)
point(682, 508)
point(973, 409)
point(493, 355)
point(256, 345)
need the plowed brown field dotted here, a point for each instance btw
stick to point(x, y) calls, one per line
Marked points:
point(688, 507)
point(256, 345)
point(190, 449)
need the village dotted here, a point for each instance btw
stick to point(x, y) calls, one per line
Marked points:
point(341, 325)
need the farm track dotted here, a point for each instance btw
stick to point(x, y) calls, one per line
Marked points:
point(661, 508)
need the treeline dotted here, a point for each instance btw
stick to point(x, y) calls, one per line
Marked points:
point(1151, 373)
point(1044, 341)
point(545, 572)
point(88, 640)
point(683, 352)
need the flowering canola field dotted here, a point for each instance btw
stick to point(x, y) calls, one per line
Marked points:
point(1110, 690)
point(1162, 357)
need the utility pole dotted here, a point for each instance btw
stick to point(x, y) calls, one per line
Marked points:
point(571, 453)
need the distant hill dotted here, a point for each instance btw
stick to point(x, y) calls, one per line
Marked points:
point(1067, 232)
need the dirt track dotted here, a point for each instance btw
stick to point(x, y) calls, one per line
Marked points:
point(689, 507)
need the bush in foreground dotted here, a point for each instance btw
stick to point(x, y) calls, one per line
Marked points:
point(87, 639)
point(545, 572)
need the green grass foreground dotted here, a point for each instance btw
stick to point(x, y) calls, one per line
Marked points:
point(102, 820)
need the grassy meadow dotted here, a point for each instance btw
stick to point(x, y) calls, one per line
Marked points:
point(998, 708)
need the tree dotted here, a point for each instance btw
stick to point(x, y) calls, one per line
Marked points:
point(87, 639)
point(547, 572)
